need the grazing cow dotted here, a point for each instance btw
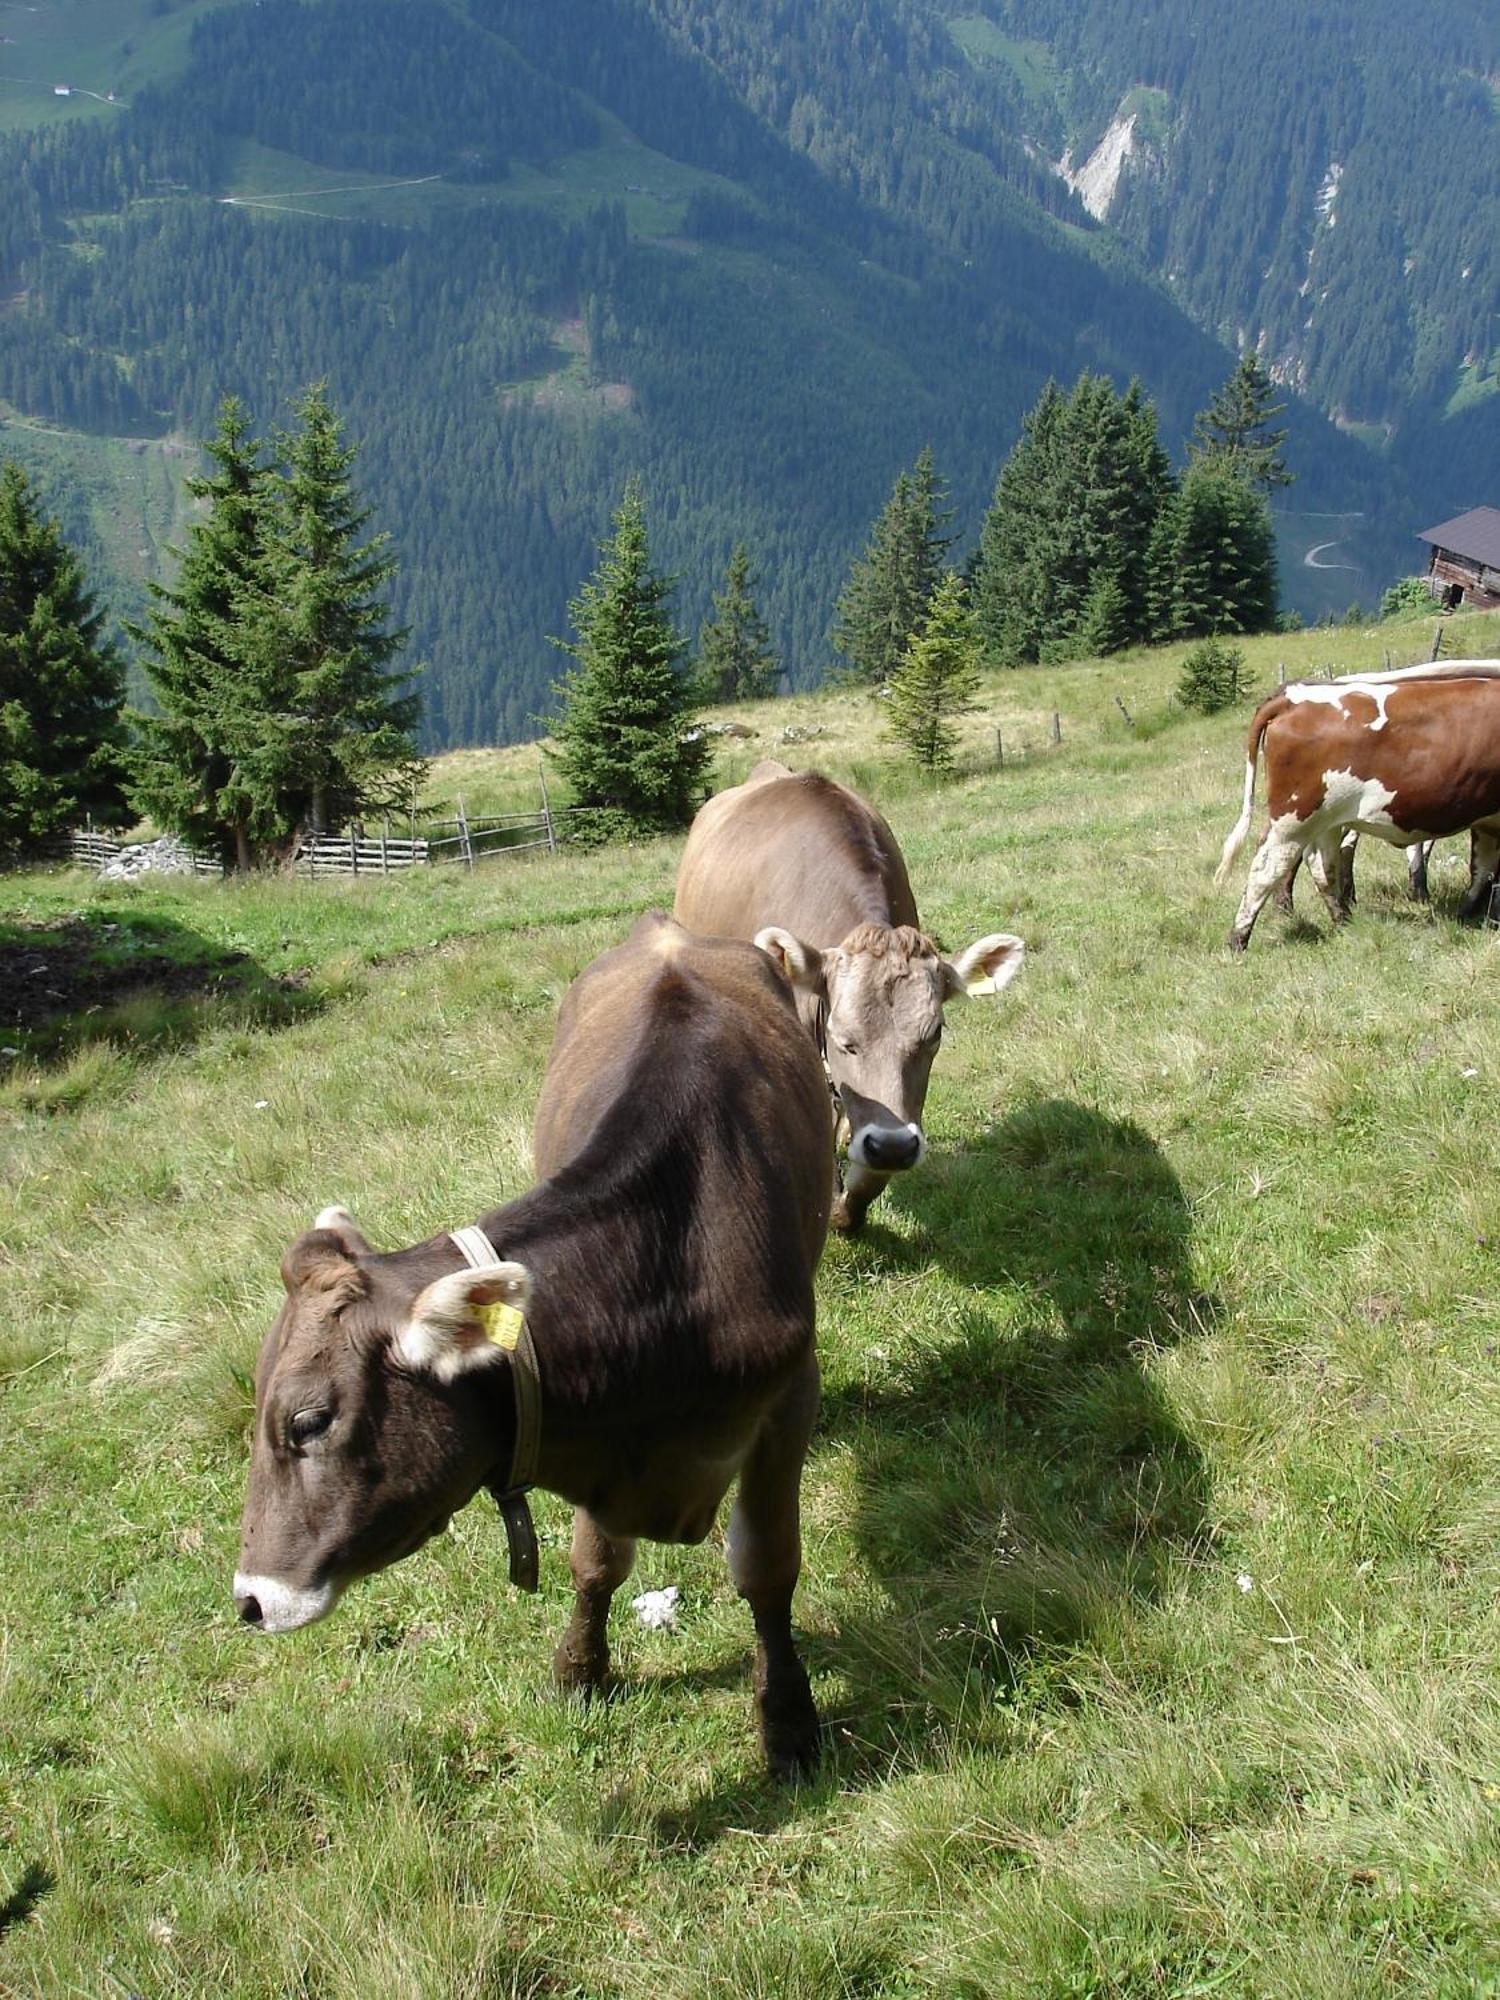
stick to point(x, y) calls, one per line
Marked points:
point(813, 875)
point(634, 1333)
point(1408, 756)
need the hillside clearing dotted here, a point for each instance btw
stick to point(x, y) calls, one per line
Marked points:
point(1150, 1588)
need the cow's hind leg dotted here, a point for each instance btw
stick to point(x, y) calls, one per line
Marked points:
point(1333, 875)
point(1275, 860)
point(764, 1549)
point(1484, 863)
point(600, 1565)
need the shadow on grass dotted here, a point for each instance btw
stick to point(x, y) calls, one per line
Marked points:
point(34, 1883)
point(133, 980)
point(1026, 1478)
point(1021, 1482)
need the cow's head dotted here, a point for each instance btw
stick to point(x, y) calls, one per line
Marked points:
point(883, 991)
point(381, 1407)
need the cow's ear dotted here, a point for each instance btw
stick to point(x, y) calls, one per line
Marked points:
point(466, 1320)
point(986, 967)
point(800, 965)
point(340, 1223)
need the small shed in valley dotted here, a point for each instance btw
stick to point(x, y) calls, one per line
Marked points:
point(1464, 565)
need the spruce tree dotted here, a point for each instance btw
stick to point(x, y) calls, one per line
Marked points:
point(891, 585)
point(936, 678)
point(334, 739)
point(1236, 427)
point(1215, 556)
point(1063, 566)
point(624, 736)
point(61, 681)
point(189, 764)
point(735, 658)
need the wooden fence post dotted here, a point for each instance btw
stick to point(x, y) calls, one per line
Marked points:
point(385, 841)
point(999, 750)
point(463, 833)
point(1056, 727)
point(1281, 673)
point(541, 771)
point(1437, 643)
point(353, 848)
point(1129, 719)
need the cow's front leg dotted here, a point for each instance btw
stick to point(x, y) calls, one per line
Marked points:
point(764, 1548)
point(1326, 865)
point(600, 1565)
point(851, 1202)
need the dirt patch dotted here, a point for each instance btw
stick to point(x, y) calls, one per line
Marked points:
point(74, 967)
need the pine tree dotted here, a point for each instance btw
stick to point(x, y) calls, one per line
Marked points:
point(334, 734)
point(61, 681)
point(1215, 556)
point(624, 739)
point(1212, 676)
point(735, 659)
point(1236, 427)
point(189, 775)
point(937, 678)
point(891, 585)
point(1063, 566)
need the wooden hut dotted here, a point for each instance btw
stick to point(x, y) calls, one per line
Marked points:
point(1464, 566)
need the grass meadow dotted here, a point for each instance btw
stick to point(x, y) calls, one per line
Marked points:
point(1152, 1538)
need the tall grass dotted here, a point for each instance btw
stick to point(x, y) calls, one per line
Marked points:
point(1150, 1587)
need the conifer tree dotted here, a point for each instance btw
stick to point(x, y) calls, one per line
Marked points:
point(624, 735)
point(1215, 556)
point(1063, 565)
point(61, 681)
point(188, 768)
point(936, 678)
point(890, 586)
point(335, 733)
point(735, 658)
point(1236, 426)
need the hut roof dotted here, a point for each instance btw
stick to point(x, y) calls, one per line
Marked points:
point(1475, 536)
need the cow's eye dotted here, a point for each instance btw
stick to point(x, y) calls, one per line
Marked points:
point(845, 1048)
point(931, 1041)
point(307, 1425)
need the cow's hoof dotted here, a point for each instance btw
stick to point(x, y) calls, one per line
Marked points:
point(791, 1741)
point(1236, 944)
point(585, 1678)
point(847, 1221)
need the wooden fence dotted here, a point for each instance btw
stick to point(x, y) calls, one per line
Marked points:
point(464, 839)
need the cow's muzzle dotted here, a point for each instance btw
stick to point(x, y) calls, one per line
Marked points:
point(273, 1606)
point(887, 1149)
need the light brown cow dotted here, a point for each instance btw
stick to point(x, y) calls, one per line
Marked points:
point(812, 873)
point(1407, 756)
point(664, 1266)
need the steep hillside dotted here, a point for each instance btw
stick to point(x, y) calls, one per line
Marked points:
point(1323, 184)
point(761, 255)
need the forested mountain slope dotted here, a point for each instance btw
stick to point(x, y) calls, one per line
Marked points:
point(760, 253)
point(1323, 182)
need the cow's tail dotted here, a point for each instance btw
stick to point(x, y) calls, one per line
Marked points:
point(1241, 827)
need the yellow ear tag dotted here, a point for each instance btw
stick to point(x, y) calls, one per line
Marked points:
point(502, 1325)
point(984, 984)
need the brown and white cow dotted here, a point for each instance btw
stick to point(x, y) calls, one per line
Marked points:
point(1407, 756)
point(812, 873)
point(664, 1265)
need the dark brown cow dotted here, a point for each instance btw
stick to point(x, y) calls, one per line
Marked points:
point(1408, 756)
point(812, 873)
point(664, 1263)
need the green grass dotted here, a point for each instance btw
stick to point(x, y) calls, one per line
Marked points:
point(1031, 62)
point(1196, 1291)
point(93, 46)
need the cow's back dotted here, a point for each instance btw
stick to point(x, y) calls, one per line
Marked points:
point(793, 849)
point(692, 1044)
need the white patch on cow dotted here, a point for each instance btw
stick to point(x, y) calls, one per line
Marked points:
point(1363, 803)
point(1332, 694)
point(337, 1217)
point(859, 1149)
point(284, 1606)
